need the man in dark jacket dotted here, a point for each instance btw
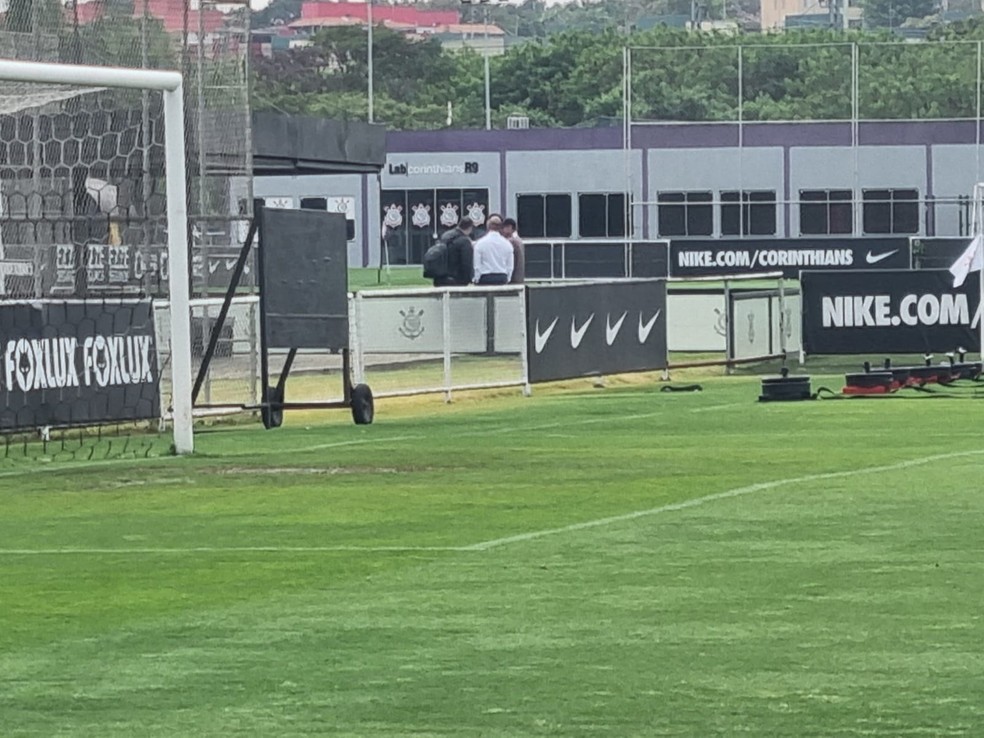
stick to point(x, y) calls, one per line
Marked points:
point(460, 254)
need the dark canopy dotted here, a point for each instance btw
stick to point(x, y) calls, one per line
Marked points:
point(300, 144)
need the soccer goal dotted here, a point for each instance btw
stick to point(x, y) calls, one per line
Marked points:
point(93, 225)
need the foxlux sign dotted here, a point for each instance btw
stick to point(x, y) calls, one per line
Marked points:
point(718, 258)
point(892, 312)
point(599, 328)
point(71, 363)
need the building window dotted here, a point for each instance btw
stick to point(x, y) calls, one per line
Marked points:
point(544, 216)
point(826, 212)
point(685, 213)
point(412, 219)
point(755, 215)
point(891, 211)
point(601, 216)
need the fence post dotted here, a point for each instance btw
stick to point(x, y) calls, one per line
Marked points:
point(524, 348)
point(782, 317)
point(355, 336)
point(729, 348)
point(446, 335)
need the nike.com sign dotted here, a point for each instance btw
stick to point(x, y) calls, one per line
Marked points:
point(892, 312)
point(879, 310)
point(716, 258)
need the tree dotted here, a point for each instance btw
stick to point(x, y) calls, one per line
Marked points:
point(893, 13)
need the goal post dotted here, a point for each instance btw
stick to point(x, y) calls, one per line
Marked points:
point(169, 84)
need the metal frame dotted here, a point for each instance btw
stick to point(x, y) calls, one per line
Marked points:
point(170, 83)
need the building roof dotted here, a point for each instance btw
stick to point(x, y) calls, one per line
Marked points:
point(468, 29)
point(346, 21)
point(408, 14)
point(171, 13)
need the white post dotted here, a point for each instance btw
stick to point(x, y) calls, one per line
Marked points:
point(178, 281)
point(177, 213)
point(355, 336)
point(977, 216)
point(446, 323)
point(369, 41)
point(524, 351)
point(488, 73)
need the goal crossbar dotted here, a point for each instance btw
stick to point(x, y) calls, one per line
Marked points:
point(170, 84)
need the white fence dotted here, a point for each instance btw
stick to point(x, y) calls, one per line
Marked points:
point(446, 340)
point(415, 341)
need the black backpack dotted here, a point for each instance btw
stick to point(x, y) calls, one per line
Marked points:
point(435, 260)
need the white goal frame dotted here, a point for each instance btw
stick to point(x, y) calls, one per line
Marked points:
point(170, 84)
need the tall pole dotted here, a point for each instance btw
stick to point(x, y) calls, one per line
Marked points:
point(369, 21)
point(488, 75)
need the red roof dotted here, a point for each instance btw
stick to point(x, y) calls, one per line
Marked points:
point(88, 12)
point(395, 13)
point(169, 12)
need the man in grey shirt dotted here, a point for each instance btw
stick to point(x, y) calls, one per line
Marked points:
point(519, 251)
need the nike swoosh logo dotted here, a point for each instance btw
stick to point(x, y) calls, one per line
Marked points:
point(646, 329)
point(577, 334)
point(875, 258)
point(611, 331)
point(540, 339)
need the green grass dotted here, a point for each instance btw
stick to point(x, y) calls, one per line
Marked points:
point(371, 278)
point(617, 562)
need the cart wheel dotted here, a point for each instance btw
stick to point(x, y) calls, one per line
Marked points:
point(363, 408)
point(273, 417)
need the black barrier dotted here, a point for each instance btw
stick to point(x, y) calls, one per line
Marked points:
point(304, 264)
point(578, 330)
point(937, 253)
point(899, 312)
point(596, 259)
point(790, 256)
point(77, 363)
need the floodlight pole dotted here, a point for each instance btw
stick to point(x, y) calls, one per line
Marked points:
point(488, 74)
point(369, 23)
point(170, 84)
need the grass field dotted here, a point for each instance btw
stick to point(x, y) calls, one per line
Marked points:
point(618, 562)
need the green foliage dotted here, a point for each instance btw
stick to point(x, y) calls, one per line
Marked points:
point(894, 13)
point(116, 40)
point(574, 77)
point(22, 15)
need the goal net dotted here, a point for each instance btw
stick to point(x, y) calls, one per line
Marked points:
point(93, 231)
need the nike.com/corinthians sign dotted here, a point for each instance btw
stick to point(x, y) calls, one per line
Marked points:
point(599, 328)
point(789, 256)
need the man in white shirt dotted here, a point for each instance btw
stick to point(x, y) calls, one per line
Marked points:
point(493, 255)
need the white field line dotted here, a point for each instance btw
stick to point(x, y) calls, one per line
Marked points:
point(727, 494)
point(521, 537)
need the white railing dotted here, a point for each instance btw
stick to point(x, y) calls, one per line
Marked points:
point(417, 341)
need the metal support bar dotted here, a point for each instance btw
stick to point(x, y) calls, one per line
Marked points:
point(285, 372)
point(213, 339)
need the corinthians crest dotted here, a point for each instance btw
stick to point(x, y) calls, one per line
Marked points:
point(412, 326)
